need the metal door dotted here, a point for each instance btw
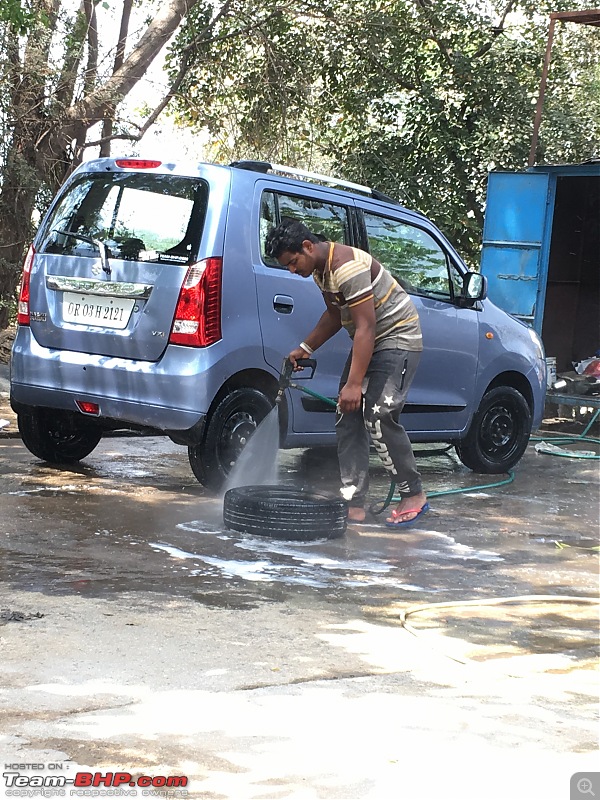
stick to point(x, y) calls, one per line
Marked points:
point(289, 307)
point(516, 242)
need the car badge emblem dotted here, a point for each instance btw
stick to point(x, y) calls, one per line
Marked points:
point(97, 270)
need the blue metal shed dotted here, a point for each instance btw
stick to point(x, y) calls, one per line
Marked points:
point(541, 254)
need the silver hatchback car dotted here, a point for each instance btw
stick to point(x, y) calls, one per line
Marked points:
point(147, 303)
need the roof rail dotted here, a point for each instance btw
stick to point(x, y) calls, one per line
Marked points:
point(265, 166)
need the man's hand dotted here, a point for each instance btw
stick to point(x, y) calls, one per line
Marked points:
point(297, 353)
point(350, 398)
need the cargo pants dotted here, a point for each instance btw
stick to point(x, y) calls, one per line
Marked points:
point(387, 381)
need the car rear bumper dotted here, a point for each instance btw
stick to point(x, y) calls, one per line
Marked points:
point(135, 393)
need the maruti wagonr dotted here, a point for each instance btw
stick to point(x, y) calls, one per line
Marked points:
point(147, 303)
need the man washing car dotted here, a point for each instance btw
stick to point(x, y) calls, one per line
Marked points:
point(364, 298)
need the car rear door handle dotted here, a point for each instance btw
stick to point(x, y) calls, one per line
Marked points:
point(283, 304)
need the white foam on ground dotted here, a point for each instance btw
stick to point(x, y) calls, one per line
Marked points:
point(456, 550)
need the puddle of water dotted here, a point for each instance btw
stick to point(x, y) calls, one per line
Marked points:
point(301, 567)
point(52, 491)
point(315, 559)
point(174, 552)
point(263, 571)
point(462, 553)
point(455, 550)
point(219, 599)
point(320, 564)
point(197, 526)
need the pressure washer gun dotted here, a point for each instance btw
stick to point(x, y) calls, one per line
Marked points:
point(285, 380)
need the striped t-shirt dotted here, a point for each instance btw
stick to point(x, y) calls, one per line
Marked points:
point(397, 320)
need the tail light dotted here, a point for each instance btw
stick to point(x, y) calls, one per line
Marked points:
point(23, 308)
point(197, 321)
point(88, 408)
point(137, 163)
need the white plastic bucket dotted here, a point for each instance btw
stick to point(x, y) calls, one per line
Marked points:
point(551, 371)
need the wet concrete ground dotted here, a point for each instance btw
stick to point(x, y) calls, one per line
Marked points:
point(269, 669)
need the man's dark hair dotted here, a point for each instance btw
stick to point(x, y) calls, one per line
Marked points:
point(288, 237)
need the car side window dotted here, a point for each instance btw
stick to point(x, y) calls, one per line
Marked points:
point(411, 254)
point(328, 220)
point(456, 279)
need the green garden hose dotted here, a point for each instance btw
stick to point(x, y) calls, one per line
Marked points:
point(571, 440)
point(381, 505)
point(373, 508)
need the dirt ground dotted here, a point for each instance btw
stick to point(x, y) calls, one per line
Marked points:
point(139, 635)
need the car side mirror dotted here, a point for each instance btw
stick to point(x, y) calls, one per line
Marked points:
point(474, 287)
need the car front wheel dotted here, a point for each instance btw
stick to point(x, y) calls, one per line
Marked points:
point(499, 432)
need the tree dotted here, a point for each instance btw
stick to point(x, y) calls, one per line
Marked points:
point(55, 89)
point(416, 97)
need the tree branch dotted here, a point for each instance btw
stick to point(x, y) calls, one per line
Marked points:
point(123, 34)
point(108, 136)
point(153, 116)
point(31, 90)
point(92, 108)
point(496, 31)
point(91, 72)
point(166, 99)
point(107, 128)
point(65, 86)
point(14, 65)
point(424, 6)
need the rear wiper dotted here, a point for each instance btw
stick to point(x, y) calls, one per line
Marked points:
point(100, 245)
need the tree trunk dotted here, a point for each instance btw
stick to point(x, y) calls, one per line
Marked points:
point(16, 206)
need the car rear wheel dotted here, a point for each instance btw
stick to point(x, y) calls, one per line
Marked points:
point(282, 512)
point(59, 437)
point(499, 432)
point(230, 426)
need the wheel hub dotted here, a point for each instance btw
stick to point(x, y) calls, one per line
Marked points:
point(500, 428)
point(236, 433)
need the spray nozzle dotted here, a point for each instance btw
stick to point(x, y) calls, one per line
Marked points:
point(287, 370)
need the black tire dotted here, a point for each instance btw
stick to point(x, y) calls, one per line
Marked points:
point(499, 432)
point(59, 437)
point(284, 513)
point(230, 426)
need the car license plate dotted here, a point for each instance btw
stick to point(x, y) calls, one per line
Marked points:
point(101, 312)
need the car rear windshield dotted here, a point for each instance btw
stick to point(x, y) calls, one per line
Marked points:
point(137, 217)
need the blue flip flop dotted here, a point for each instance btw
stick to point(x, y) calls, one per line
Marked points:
point(423, 510)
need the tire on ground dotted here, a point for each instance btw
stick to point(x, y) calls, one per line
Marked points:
point(284, 513)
